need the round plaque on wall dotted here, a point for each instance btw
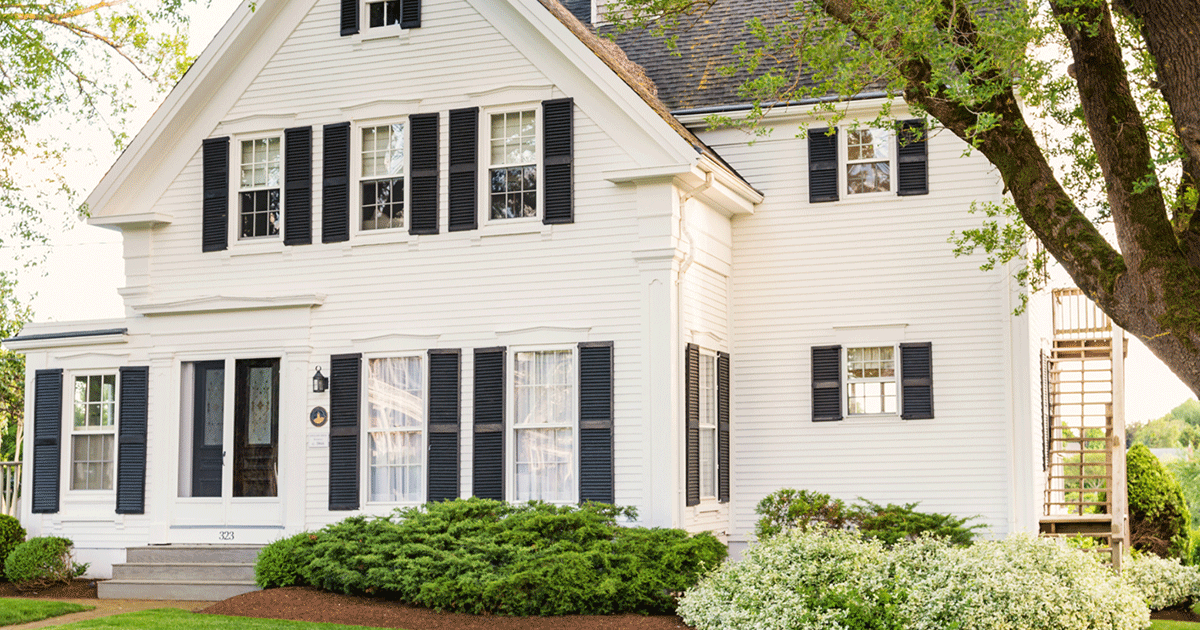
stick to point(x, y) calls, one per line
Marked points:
point(318, 417)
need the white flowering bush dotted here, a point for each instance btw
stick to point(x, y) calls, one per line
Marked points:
point(833, 580)
point(1162, 582)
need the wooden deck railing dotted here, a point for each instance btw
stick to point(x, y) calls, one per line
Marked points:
point(10, 487)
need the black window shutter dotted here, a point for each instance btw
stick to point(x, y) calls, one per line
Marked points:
point(916, 381)
point(723, 427)
point(215, 234)
point(692, 428)
point(423, 176)
point(443, 424)
point(822, 165)
point(335, 186)
point(826, 383)
point(131, 440)
point(410, 14)
point(464, 154)
point(596, 422)
point(344, 378)
point(297, 186)
point(557, 158)
point(47, 433)
point(912, 159)
point(349, 17)
point(488, 469)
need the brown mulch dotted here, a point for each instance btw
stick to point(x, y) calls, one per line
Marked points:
point(1181, 613)
point(77, 589)
point(309, 604)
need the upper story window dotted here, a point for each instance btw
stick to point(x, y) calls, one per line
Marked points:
point(513, 175)
point(868, 161)
point(544, 425)
point(94, 432)
point(382, 185)
point(395, 426)
point(259, 188)
point(871, 380)
point(384, 13)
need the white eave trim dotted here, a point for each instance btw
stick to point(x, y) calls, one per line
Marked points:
point(23, 343)
point(221, 303)
point(141, 219)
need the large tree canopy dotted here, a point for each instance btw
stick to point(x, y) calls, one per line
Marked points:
point(1089, 110)
point(85, 64)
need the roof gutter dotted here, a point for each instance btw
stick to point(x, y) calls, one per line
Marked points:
point(741, 107)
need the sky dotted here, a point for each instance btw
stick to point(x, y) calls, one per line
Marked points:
point(83, 266)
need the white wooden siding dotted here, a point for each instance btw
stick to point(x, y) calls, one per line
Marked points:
point(815, 274)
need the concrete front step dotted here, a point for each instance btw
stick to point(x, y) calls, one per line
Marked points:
point(179, 554)
point(183, 572)
point(171, 589)
point(204, 572)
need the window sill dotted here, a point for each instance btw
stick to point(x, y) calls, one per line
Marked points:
point(393, 236)
point(254, 247)
point(865, 198)
point(513, 227)
point(380, 33)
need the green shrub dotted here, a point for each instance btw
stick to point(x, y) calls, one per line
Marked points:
point(480, 556)
point(279, 563)
point(822, 578)
point(41, 562)
point(1163, 583)
point(1158, 513)
point(788, 509)
point(11, 535)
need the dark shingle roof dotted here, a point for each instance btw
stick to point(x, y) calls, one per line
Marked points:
point(692, 79)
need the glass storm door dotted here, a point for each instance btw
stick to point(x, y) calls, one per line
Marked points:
point(208, 435)
point(256, 428)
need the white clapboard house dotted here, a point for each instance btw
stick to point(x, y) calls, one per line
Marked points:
point(523, 269)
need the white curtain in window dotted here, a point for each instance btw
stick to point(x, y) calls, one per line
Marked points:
point(544, 397)
point(395, 418)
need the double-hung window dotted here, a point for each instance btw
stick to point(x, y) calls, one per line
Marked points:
point(868, 161)
point(871, 380)
point(382, 176)
point(94, 432)
point(708, 426)
point(384, 13)
point(544, 425)
point(513, 171)
point(259, 188)
point(395, 429)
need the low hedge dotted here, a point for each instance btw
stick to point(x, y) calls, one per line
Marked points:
point(41, 562)
point(787, 509)
point(482, 556)
point(819, 578)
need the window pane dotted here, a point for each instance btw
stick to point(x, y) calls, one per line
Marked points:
point(543, 385)
point(868, 177)
point(395, 400)
point(545, 464)
point(708, 393)
point(514, 138)
point(708, 462)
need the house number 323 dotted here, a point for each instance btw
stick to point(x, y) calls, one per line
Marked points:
point(226, 535)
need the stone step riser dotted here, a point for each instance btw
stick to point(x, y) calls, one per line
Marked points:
point(191, 554)
point(185, 572)
point(210, 592)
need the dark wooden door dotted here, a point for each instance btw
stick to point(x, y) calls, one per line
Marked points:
point(208, 436)
point(256, 428)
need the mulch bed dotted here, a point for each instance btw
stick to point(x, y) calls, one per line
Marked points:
point(1181, 613)
point(309, 604)
point(77, 589)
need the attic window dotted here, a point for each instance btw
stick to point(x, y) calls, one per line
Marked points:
point(384, 13)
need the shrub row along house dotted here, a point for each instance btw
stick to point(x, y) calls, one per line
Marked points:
point(379, 253)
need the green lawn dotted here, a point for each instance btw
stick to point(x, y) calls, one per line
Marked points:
point(1174, 625)
point(175, 619)
point(14, 611)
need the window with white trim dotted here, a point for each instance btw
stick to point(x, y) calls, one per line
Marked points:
point(708, 425)
point(544, 425)
point(94, 432)
point(395, 429)
point(384, 13)
point(259, 199)
point(868, 160)
point(513, 172)
point(381, 172)
point(871, 380)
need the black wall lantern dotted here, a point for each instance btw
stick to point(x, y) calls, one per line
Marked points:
point(320, 383)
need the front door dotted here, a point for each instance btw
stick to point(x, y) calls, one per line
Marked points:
point(229, 454)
